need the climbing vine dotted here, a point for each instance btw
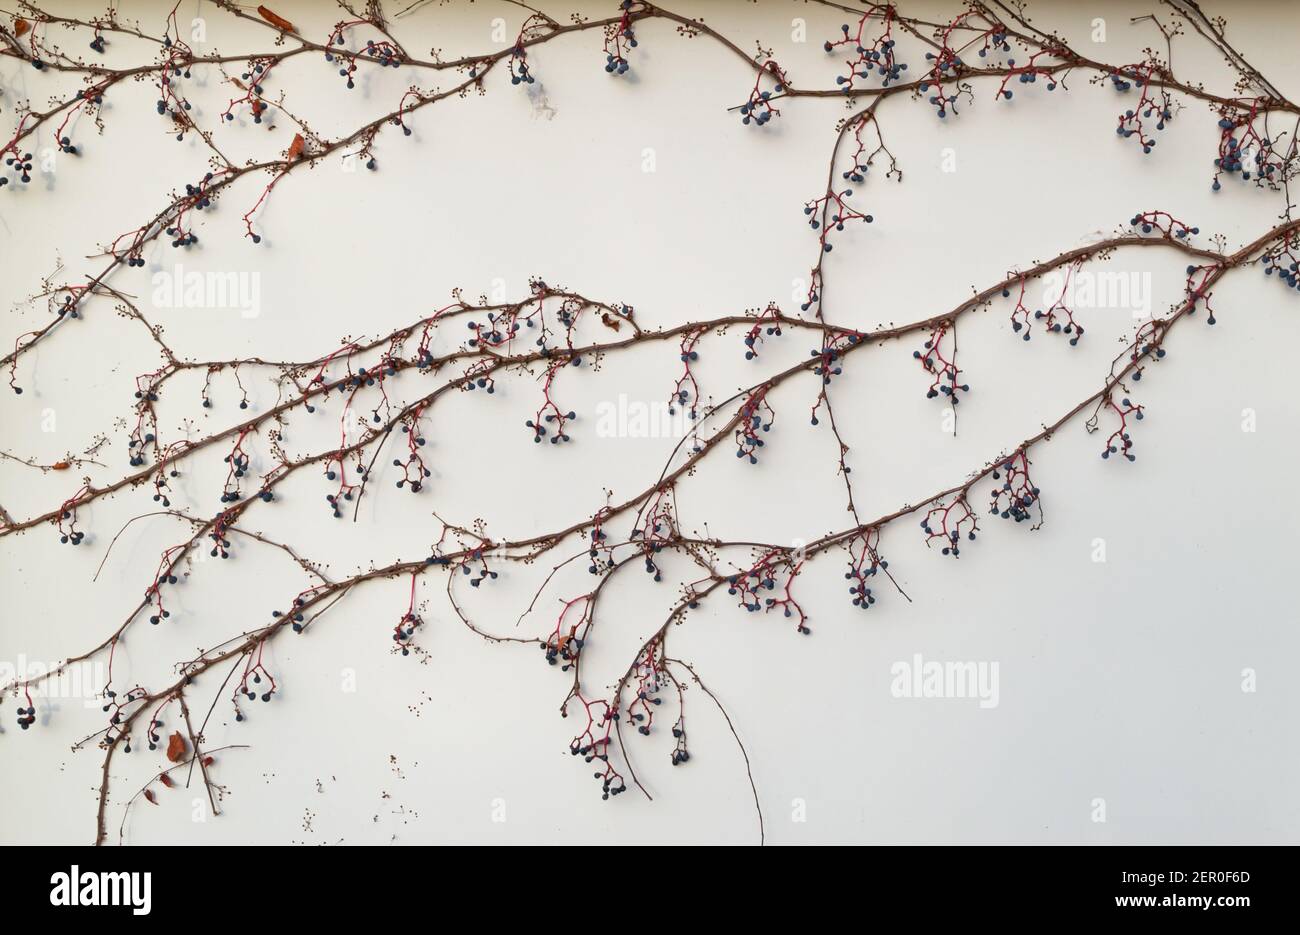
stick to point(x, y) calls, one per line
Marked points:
point(383, 392)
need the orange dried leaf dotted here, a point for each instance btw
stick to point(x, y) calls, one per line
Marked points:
point(297, 146)
point(148, 794)
point(208, 761)
point(175, 747)
point(166, 780)
point(610, 321)
point(60, 466)
point(21, 26)
point(279, 22)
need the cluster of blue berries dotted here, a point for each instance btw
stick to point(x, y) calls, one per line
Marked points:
point(615, 61)
point(1286, 267)
point(1134, 122)
point(1015, 496)
point(610, 784)
point(996, 41)
point(154, 592)
point(686, 391)
point(680, 754)
point(296, 620)
point(856, 173)
point(751, 423)
point(618, 37)
point(563, 649)
point(754, 338)
point(383, 53)
point(841, 214)
point(498, 331)
point(72, 536)
point(940, 524)
point(864, 562)
point(69, 307)
point(749, 586)
point(136, 447)
point(477, 378)
point(480, 573)
point(740, 585)
point(559, 435)
point(22, 165)
point(519, 73)
point(115, 707)
point(942, 369)
point(238, 462)
point(220, 544)
point(642, 722)
point(602, 558)
point(651, 544)
point(876, 58)
point(413, 467)
point(1260, 164)
point(1166, 224)
point(198, 194)
point(1145, 348)
point(1120, 441)
point(946, 66)
point(405, 630)
point(1028, 76)
point(182, 238)
point(758, 110)
point(155, 739)
point(862, 596)
point(828, 363)
point(335, 500)
point(1052, 318)
point(254, 77)
point(252, 694)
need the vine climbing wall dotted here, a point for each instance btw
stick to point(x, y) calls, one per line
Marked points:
point(606, 422)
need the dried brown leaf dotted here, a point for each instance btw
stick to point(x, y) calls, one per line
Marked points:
point(175, 747)
point(279, 22)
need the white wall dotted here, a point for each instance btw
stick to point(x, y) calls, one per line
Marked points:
point(1119, 680)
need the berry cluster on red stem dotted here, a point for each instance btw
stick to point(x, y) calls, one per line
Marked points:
point(872, 44)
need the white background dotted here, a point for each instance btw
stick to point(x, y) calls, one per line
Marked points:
point(1119, 680)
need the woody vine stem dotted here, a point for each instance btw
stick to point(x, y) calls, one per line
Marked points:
point(887, 59)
